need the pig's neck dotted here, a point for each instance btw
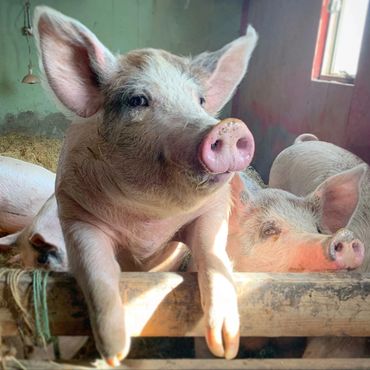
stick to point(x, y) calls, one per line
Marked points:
point(239, 184)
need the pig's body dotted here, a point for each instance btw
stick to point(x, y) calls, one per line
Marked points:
point(41, 243)
point(148, 167)
point(299, 169)
point(302, 166)
point(24, 188)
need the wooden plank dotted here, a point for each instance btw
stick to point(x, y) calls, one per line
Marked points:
point(192, 364)
point(167, 304)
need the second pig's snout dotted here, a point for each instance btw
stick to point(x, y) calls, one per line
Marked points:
point(346, 251)
point(228, 147)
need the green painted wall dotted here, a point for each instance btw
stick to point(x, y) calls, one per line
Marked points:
point(180, 26)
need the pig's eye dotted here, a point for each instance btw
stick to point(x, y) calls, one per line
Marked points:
point(138, 101)
point(269, 229)
point(43, 258)
point(202, 101)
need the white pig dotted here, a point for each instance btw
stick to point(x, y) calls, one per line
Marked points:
point(24, 188)
point(272, 230)
point(298, 169)
point(41, 243)
point(150, 164)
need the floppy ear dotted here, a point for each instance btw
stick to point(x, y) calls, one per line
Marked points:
point(339, 196)
point(226, 68)
point(75, 62)
point(9, 241)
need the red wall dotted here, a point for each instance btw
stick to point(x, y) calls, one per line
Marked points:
point(278, 99)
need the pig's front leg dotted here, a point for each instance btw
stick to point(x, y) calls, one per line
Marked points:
point(207, 237)
point(97, 272)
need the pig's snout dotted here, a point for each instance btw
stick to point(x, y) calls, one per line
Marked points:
point(228, 147)
point(346, 251)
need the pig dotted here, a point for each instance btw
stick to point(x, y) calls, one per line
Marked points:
point(24, 188)
point(145, 163)
point(267, 219)
point(40, 244)
point(308, 162)
point(299, 168)
point(272, 230)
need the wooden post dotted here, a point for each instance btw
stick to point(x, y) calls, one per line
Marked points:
point(167, 304)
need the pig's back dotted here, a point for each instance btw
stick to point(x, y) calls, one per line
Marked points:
point(303, 166)
point(24, 188)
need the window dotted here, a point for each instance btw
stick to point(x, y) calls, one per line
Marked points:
point(341, 28)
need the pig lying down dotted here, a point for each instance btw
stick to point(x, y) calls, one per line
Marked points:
point(299, 169)
point(24, 189)
point(41, 243)
point(272, 230)
point(308, 162)
point(148, 165)
point(29, 216)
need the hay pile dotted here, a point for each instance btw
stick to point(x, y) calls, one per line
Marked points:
point(39, 150)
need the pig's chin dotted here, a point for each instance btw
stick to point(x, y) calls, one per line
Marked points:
point(220, 178)
point(214, 179)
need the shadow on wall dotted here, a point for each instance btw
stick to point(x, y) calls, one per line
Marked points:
point(53, 125)
point(270, 141)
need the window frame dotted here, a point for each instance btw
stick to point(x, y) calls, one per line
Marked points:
point(322, 62)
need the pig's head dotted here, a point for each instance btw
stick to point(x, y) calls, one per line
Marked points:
point(41, 244)
point(155, 111)
point(282, 232)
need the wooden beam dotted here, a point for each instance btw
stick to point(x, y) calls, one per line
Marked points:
point(167, 304)
point(209, 364)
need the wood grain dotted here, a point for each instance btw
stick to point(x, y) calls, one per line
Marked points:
point(167, 304)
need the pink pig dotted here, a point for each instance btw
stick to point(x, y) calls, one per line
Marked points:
point(24, 188)
point(299, 169)
point(147, 163)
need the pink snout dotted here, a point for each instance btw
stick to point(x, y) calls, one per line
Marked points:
point(228, 147)
point(347, 252)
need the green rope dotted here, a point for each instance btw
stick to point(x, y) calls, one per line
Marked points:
point(39, 283)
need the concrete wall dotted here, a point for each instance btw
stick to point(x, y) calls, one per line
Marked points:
point(279, 100)
point(181, 26)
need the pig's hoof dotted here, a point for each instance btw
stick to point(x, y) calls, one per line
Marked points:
point(223, 337)
point(112, 337)
point(115, 360)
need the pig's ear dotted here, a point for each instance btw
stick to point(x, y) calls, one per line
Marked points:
point(9, 241)
point(339, 196)
point(75, 62)
point(42, 242)
point(226, 68)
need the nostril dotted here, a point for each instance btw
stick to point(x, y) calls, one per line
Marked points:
point(242, 143)
point(216, 146)
point(356, 247)
point(338, 247)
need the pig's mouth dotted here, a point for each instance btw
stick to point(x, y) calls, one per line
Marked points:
point(221, 177)
point(207, 178)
